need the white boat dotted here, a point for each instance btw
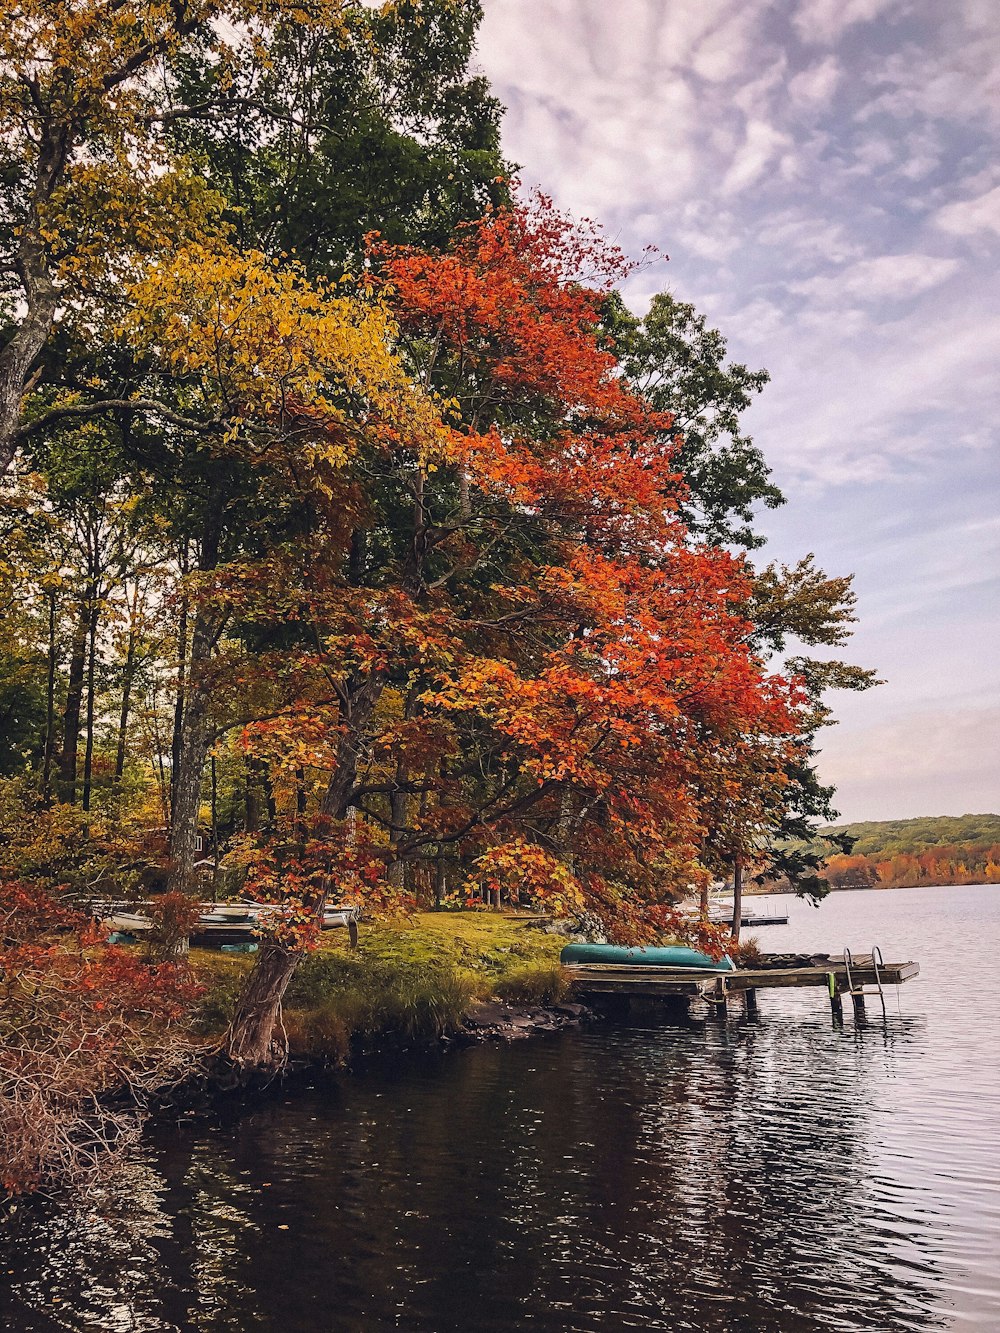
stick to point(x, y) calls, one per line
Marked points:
point(218, 923)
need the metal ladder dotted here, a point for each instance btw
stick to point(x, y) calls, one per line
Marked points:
point(878, 962)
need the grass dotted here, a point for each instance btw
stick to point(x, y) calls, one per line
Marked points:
point(412, 980)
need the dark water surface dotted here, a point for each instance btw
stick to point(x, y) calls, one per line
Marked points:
point(753, 1177)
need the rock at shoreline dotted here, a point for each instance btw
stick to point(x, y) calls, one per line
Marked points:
point(492, 1020)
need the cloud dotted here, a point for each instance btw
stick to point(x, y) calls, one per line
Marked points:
point(885, 278)
point(966, 217)
point(929, 762)
point(822, 22)
point(816, 84)
point(761, 145)
point(822, 174)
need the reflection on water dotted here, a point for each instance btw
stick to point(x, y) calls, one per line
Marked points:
point(753, 1177)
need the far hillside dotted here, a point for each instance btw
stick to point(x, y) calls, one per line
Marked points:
point(901, 853)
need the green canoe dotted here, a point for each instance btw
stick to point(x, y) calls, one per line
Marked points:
point(673, 956)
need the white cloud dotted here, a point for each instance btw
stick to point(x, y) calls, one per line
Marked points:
point(816, 84)
point(816, 197)
point(761, 145)
point(821, 22)
point(966, 217)
point(885, 278)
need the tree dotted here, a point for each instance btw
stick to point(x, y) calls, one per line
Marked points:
point(678, 363)
point(517, 654)
point(803, 603)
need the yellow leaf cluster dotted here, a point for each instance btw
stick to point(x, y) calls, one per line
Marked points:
point(256, 344)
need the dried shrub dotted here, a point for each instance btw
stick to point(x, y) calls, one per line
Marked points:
point(747, 952)
point(87, 1032)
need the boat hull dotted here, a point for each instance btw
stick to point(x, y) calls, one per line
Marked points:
point(674, 956)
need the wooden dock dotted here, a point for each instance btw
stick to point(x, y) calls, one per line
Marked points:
point(858, 976)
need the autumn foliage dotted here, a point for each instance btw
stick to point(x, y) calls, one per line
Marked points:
point(86, 1031)
point(348, 543)
point(538, 676)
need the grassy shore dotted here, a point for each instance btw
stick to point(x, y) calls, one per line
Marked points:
point(413, 980)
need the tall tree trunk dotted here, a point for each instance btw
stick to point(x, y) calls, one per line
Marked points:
point(41, 298)
point(356, 711)
point(158, 764)
point(737, 899)
point(88, 754)
point(215, 828)
point(192, 752)
point(399, 810)
point(74, 701)
point(182, 656)
point(123, 717)
point(50, 705)
point(564, 833)
point(193, 738)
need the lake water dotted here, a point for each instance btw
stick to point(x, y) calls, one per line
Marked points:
point(767, 1176)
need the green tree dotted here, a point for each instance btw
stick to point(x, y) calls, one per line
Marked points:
point(678, 362)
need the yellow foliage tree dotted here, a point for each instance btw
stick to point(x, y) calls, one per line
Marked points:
point(86, 91)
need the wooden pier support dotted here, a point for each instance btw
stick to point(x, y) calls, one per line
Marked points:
point(750, 996)
point(858, 997)
point(836, 1003)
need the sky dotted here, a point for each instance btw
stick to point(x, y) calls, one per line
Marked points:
point(824, 176)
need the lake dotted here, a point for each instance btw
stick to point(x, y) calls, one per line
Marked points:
point(775, 1175)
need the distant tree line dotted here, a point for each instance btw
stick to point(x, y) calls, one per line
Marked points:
point(905, 853)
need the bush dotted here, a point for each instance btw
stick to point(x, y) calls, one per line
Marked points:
point(416, 1001)
point(538, 983)
point(747, 953)
point(86, 1034)
point(174, 916)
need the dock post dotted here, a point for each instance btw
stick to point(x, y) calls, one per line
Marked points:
point(751, 1002)
point(859, 1005)
point(836, 1003)
point(720, 998)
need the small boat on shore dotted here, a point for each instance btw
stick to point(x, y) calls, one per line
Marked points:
point(219, 923)
point(675, 956)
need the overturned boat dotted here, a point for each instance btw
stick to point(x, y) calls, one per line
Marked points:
point(674, 956)
point(219, 924)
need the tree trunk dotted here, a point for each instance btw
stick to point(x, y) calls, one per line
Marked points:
point(356, 710)
point(399, 819)
point(251, 1039)
point(50, 705)
point(737, 899)
point(88, 755)
point(125, 709)
point(194, 740)
point(41, 300)
point(74, 702)
point(182, 654)
point(215, 828)
point(192, 752)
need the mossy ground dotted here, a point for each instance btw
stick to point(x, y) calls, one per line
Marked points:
point(413, 979)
